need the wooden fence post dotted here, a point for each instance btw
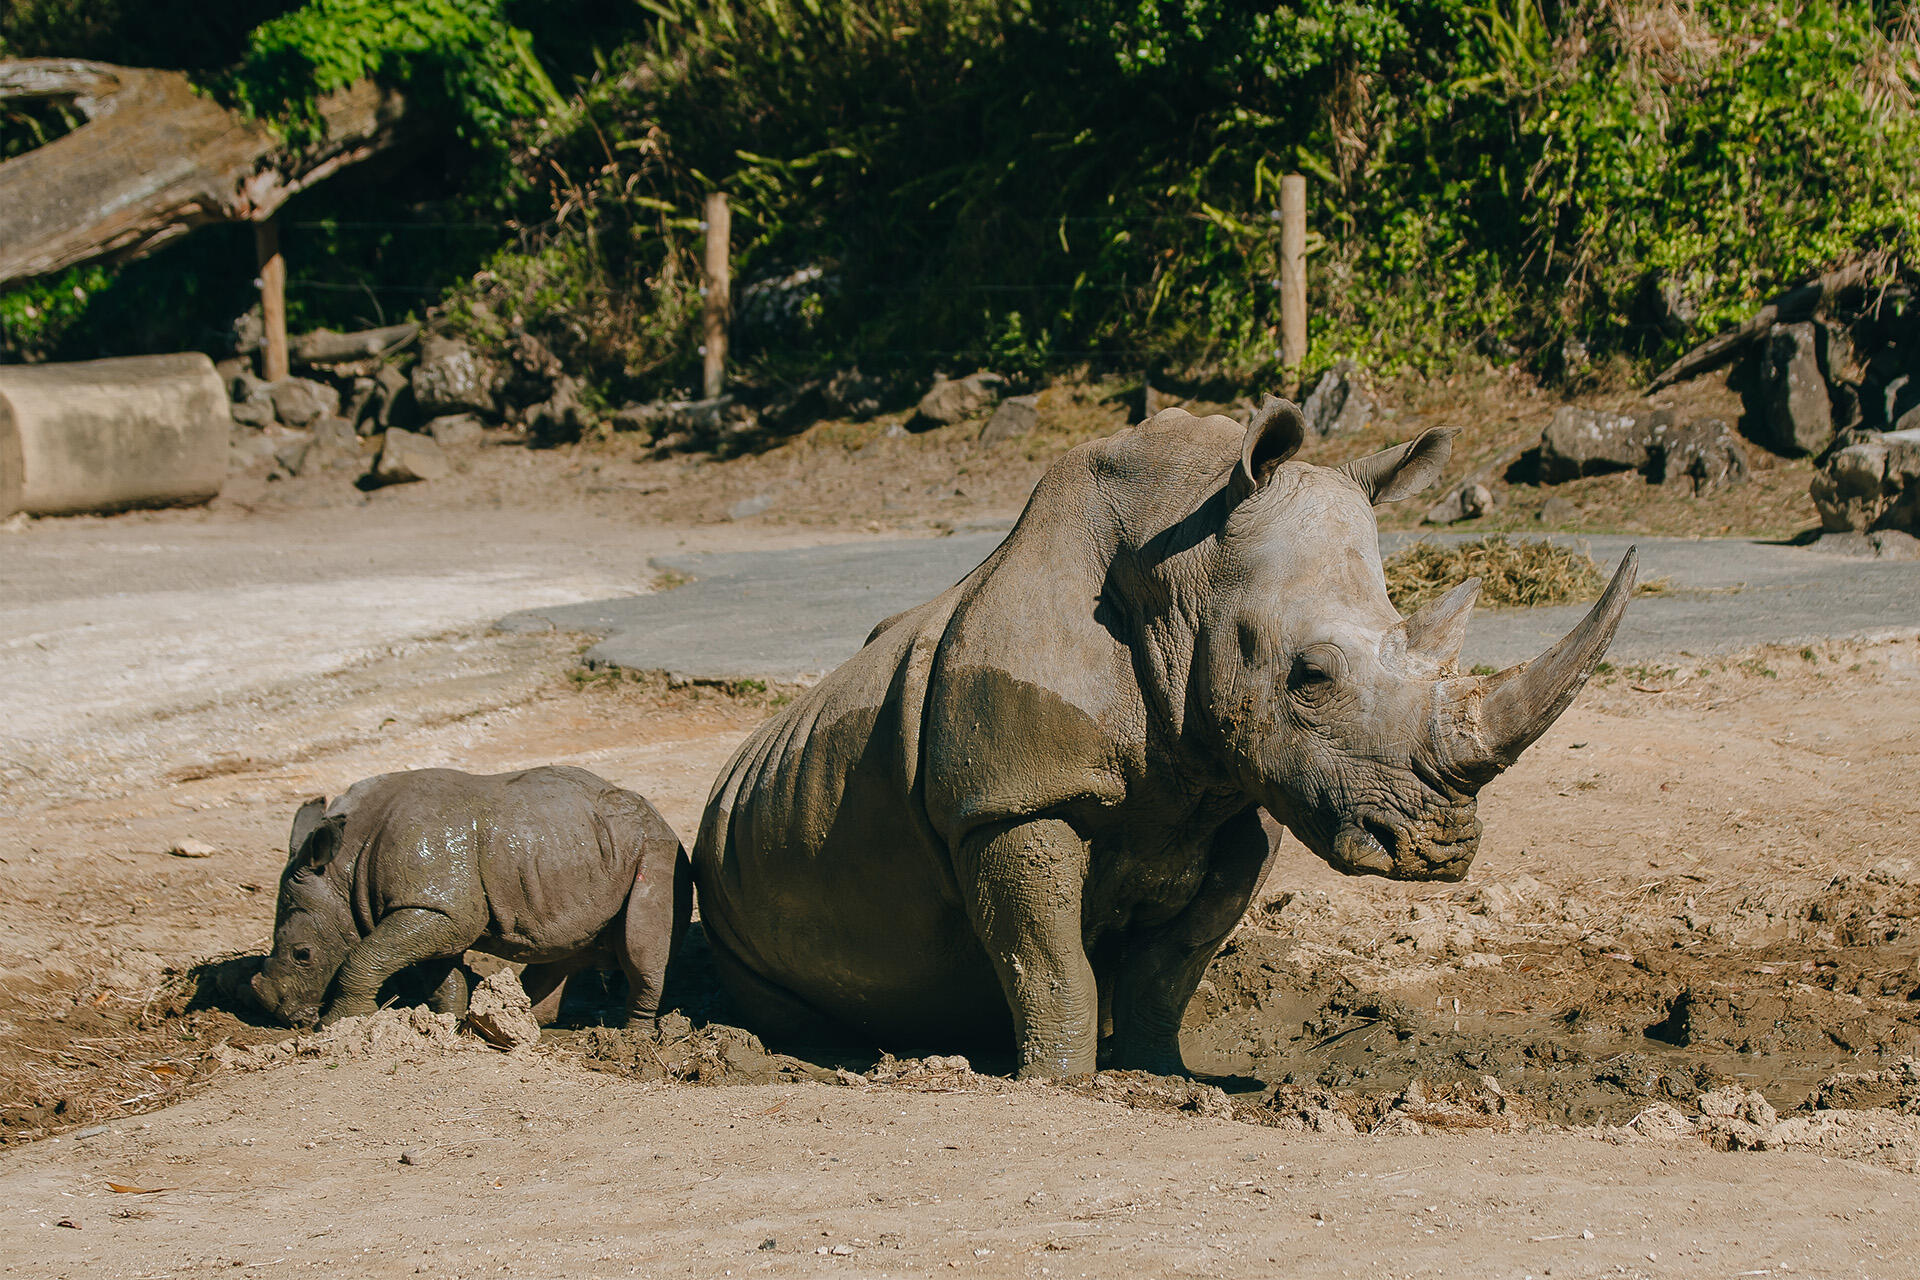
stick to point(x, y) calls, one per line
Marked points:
point(1293, 270)
point(273, 297)
point(719, 292)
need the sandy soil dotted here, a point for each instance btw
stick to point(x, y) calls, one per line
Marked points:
point(1702, 881)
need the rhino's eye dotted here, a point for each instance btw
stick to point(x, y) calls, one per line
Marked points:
point(303, 955)
point(1314, 672)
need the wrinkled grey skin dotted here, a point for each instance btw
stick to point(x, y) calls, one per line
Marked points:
point(552, 866)
point(1031, 804)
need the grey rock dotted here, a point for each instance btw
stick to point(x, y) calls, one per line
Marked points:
point(686, 425)
point(1339, 401)
point(747, 508)
point(1468, 501)
point(255, 411)
point(243, 384)
point(1882, 544)
point(406, 456)
point(360, 400)
point(300, 402)
point(1016, 416)
point(451, 378)
point(533, 372)
point(392, 402)
point(1701, 456)
point(1557, 511)
point(955, 400)
point(413, 1155)
point(1587, 442)
point(1872, 483)
point(1795, 417)
point(291, 454)
point(850, 393)
point(456, 430)
point(642, 419)
point(562, 417)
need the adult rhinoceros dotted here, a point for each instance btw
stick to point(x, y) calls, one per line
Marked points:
point(1032, 801)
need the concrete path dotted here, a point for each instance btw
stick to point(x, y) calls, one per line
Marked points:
point(793, 614)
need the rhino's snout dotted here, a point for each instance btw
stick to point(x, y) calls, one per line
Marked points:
point(271, 999)
point(1439, 846)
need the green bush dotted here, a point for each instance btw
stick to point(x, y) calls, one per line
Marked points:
point(1097, 178)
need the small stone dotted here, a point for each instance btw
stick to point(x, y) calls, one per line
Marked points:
point(191, 848)
point(456, 430)
point(1016, 416)
point(1797, 417)
point(92, 1131)
point(1586, 1234)
point(412, 1155)
point(747, 508)
point(68, 1222)
point(953, 400)
point(841, 1251)
point(1557, 511)
point(450, 378)
point(768, 1245)
point(1339, 402)
point(300, 402)
point(406, 456)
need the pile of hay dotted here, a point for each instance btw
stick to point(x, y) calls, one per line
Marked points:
point(1523, 573)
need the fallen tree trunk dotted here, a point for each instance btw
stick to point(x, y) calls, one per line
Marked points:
point(1787, 308)
point(156, 159)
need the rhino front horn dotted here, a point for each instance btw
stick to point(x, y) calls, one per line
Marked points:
point(1503, 714)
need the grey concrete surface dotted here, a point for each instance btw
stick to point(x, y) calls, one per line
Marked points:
point(784, 615)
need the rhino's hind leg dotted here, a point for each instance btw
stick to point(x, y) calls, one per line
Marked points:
point(767, 1009)
point(1159, 968)
point(545, 983)
point(451, 992)
point(650, 930)
point(1023, 885)
point(402, 938)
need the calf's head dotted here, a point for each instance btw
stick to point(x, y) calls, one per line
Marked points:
point(313, 926)
point(1347, 722)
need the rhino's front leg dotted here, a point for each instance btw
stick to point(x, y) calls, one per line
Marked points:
point(402, 937)
point(1160, 968)
point(1024, 885)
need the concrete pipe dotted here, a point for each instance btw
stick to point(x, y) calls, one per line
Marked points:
point(106, 435)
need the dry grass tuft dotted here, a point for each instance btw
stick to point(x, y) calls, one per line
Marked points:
point(1519, 573)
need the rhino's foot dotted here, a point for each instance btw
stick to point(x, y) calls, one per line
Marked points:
point(1156, 1059)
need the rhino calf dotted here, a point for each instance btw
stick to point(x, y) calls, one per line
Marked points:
point(551, 866)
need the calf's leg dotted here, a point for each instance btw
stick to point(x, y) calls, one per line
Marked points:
point(545, 983)
point(655, 918)
point(404, 937)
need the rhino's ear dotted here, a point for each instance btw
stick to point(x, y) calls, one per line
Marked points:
point(304, 822)
point(318, 850)
point(1274, 435)
point(1405, 469)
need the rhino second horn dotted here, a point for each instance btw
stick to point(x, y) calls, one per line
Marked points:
point(1438, 628)
point(1498, 717)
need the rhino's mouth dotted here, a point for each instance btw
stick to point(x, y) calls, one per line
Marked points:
point(1437, 847)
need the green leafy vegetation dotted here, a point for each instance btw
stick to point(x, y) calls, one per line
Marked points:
point(1033, 185)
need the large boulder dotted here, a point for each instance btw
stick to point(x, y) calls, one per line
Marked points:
point(450, 378)
point(1586, 442)
point(1796, 417)
point(1469, 501)
point(1872, 483)
point(1699, 456)
point(105, 435)
point(955, 400)
point(1339, 401)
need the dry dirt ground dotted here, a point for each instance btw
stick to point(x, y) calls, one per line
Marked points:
point(1663, 1029)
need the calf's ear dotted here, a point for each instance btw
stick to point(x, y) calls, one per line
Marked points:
point(322, 843)
point(1405, 469)
point(1274, 435)
point(304, 822)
